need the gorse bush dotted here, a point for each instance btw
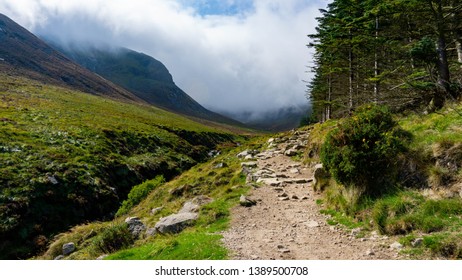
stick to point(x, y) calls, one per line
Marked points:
point(362, 151)
point(138, 193)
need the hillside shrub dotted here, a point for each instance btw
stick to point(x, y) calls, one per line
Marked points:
point(113, 238)
point(362, 150)
point(138, 193)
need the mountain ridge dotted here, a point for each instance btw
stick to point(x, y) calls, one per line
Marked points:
point(143, 75)
point(24, 54)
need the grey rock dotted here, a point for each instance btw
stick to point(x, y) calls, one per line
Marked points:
point(243, 154)
point(370, 253)
point(189, 207)
point(284, 198)
point(135, 226)
point(396, 246)
point(249, 157)
point(290, 153)
point(68, 248)
point(175, 223)
point(312, 224)
point(417, 242)
point(220, 165)
point(156, 210)
point(53, 180)
point(273, 182)
point(102, 257)
point(202, 200)
point(271, 140)
point(60, 257)
point(249, 164)
point(294, 171)
point(246, 202)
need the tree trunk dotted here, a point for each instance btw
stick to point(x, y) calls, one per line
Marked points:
point(443, 83)
point(376, 62)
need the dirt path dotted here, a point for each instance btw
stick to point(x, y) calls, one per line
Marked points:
point(286, 222)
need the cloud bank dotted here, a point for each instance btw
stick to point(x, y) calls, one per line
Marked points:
point(231, 56)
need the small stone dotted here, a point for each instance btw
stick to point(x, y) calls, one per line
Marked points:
point(68, 248)
point(285, 251)
point(284, 198)
point(283, 195)
point(220, 165)
point(249, 157)
point(417, 242)
point(60, 257)
point(312, 224)
point(396, 246)
point(52, 180)
point(294, 171)
point(370, 253)
point(254, 257)
point(249, 164)
point(156, 210)
point(271, 140)
point(305, 198)
point(294, 197)
point(246, 202)
point(102, 257)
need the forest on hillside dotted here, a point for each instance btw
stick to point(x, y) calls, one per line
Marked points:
point(406, 54)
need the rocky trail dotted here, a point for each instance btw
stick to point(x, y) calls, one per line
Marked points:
point(282, 219)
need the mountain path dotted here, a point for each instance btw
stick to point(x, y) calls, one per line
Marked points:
point(286, 223)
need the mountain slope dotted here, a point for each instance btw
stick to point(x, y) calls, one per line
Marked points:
point(68, 157)
point(24, 54)
point(143, 75)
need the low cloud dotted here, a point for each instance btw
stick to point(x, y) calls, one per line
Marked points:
point(232, 57)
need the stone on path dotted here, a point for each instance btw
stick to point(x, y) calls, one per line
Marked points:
point(246, 202)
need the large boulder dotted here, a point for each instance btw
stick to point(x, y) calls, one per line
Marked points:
point(175, 223)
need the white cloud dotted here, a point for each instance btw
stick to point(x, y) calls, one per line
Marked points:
point(249, 61)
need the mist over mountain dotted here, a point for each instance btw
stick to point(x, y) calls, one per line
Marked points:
point(282, 119)
point(23, 53)
point(142, 75)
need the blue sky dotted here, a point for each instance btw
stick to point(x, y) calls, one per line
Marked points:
point(223, 7)
point(231, 56)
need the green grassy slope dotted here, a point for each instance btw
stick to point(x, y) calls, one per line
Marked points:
point(67, 157)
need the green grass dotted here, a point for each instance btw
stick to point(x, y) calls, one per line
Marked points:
point(68, 157)
point(185, 246)
point(200, 241)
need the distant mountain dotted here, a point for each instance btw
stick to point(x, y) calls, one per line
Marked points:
point(22, 53)
point(142, 75)
point(277, 120)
